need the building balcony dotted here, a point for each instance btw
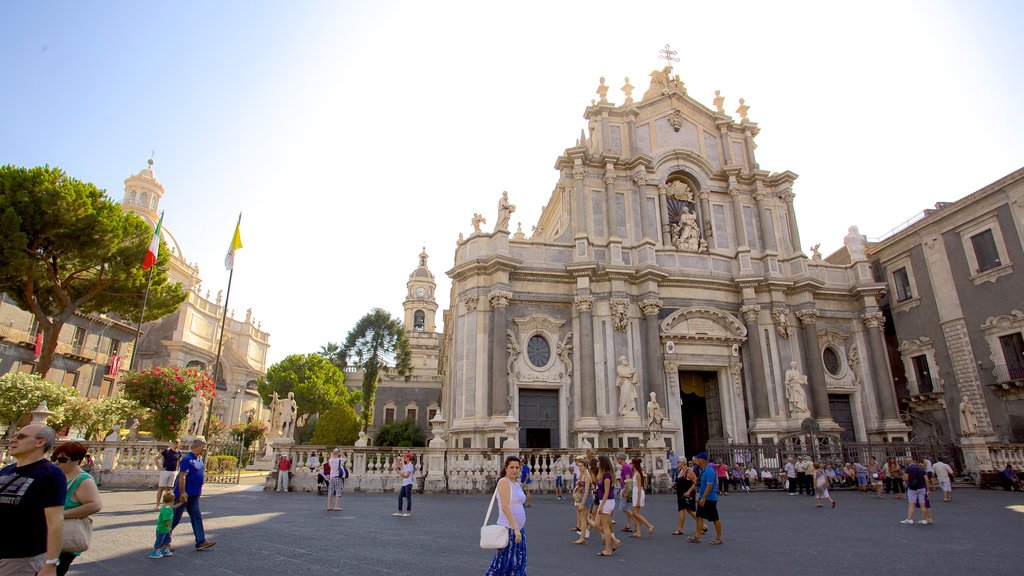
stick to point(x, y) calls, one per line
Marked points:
point(1007, 381)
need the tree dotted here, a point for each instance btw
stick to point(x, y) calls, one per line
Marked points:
point(376, 343)
point(21, 393)
point(65, 248)
point(249, 433)
point(90, 417)
point(333, 352)
point(338, 426)
point(404, 433)
point(168, 393)
point(317, 384)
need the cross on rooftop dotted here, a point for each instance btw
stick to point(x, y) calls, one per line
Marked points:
point(668, 54)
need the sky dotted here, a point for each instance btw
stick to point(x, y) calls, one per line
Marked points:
point(352, 134)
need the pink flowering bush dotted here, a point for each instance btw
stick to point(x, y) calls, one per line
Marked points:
point(167, 392)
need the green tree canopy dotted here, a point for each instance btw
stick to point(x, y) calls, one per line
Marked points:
point(65, 247)
point(168, 393)
point(338, 426)
point(318, 385)
point(376, 343)
point(20, 394)
point(403, 433)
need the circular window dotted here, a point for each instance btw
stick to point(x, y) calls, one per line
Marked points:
point(538, 351)
point(831, 359)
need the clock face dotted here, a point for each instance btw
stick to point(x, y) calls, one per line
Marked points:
point(420, 292)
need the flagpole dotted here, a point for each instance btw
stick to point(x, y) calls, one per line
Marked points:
point(145, 299)
point(220, 341)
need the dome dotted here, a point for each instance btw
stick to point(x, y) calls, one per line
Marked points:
point(147, 172)
point(422, 271)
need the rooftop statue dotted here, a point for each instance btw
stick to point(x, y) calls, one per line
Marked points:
point(742, 110)
point(719, 102)
point(602, 92)
point(505, 210)
point(627, 89)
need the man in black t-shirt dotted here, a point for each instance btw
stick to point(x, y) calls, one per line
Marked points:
point(32, 492)
point(167, 462)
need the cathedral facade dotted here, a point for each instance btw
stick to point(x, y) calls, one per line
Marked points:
point(663, 298)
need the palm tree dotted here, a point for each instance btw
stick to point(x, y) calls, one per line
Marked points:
point(333, 352)
point(376, 343)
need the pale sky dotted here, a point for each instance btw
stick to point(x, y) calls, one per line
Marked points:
point(350, 134)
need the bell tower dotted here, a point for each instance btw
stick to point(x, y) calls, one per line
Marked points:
point(420, 309)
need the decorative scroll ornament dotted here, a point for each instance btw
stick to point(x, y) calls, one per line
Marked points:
point(676, 119)
point(514, 351)
point(584, 303)
point(640, 178)
point(678, 190)
point(471, 302)
point(781, 318)
point(873, 319)
point(735, 366)
point(651, 306)
point(808, 316)
point(620, 314)
point(750, 312)
point(578, 172)
point(499, 298)
point(564, 351)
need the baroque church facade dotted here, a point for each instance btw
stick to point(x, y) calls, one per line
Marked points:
point(664, 296)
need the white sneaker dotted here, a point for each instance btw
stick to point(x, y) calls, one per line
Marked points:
point(397, 514)
point(406, 514)
point(908, 522)
point(925, 522)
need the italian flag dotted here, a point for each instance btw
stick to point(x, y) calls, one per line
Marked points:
point(154, 246)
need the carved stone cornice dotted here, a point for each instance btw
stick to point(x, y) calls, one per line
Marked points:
point(873, 319)
point(808, 317)
point(578, 171)
point(584, 303)
point(651, 306)
point(471, 303)
point(703, 195)
point(733, 191)
point(750, 313)
point(620, 313)
point(787, 196)
point(640, 178)
point(499, 298)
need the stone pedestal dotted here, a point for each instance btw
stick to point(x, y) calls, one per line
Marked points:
point(435, 480)
point(976, 456)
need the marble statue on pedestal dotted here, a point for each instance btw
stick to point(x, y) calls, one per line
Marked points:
point(287, 412)
point(110, 453)
point(655, 418)
point(196, 416)
point(627, 382)
point(855, 243)
point(968, 419)
point(505, 210)
point(796, 391)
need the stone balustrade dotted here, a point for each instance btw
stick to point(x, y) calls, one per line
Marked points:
point(1003, 454)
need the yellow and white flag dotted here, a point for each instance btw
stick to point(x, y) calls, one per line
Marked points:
point(236, 243)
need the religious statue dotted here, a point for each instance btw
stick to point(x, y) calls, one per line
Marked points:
point(514, 350)
point(659, 83)
point(627, 89)
point(602, 91)
point(655, 418)
point(855, 244)
point(287, 412)
point(110, 453)
point(795, 391)
point(363, 440)
point(719, 102)
point(133, 431)
point(968, 419)
point(815, 254)
point(781, 321)
point(196, 416)
point(275, 422)
point(676, 234)
point(689, 233)
point(477, 221)
point(505, 210)
point(742, 110)
point(627, 381)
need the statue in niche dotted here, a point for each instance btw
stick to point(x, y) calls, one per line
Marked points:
point(968, 419)
point(627, 381)
point(602, 91)
point(855, 243)
point(505, 210)
point(564, 351)
point(477, 221)
point(676, 234)
point(795, 390)
point(620, 314)
point(719, 102)
point(627, 89)
point(708, 229)
point(514, 350)
point(196, 415)
point(781, 322)
point(689, 233)
point(853, 360)
point(815, 254)
point(655, 418)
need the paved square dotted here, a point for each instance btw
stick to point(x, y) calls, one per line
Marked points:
point(765, 533)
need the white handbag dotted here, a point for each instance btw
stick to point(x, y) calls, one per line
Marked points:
point(492, 536)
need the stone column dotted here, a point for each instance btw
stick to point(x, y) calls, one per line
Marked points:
point(748, 143)
point(609, 194)
point(653, 376)
point(758, 383)
point(666, 228)
point(815, 372)
point(737, 219)
point(762, 219)
point(723, 129)
point(794, 232)
point(501, 398)
point(588, 385)
point(579, 214)
point(705, 217)
point(883, 387)
point(640, 179)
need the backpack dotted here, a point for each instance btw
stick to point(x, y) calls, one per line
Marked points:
point(343, 472)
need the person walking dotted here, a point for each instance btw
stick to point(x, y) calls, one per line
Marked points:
point(723, 477)
point(511, 560)
point(686, 502)
point(707, 500)
point(917, 492)
point(83, 497)
point(894, 476)
point(625, 492)
point(167, 462)
point(526, 479)
point(32, 495)
point(791, 481)
point(673, 463)
point(405, 492)
point(582, 496)
point(639, 481)
point(944, 475)
point(335, 482)
point(605, 499)
point(821, 487)
point(559, 467)
point(162, 543)
point(188, 490)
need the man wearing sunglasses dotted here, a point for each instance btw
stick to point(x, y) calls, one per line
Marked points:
point(32, 492)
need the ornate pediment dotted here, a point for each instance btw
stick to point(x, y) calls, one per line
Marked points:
point(538, 323)
point(703, 324)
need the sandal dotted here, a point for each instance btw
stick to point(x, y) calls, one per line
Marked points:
point(627, 529)
point(678, 533)
point(602, 553)
point(637, 535)
point(716, 542)
point(693, 540)
point(581, 541)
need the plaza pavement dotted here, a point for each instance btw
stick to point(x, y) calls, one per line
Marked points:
point(765, 533)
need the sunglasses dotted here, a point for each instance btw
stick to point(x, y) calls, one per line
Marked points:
point(60, 459)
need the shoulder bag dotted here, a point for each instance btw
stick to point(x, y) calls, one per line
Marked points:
point(77, 531)
point(493, 536)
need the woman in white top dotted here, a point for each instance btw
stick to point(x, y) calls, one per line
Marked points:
point(335, 483)
point(511, 560)
point(639, 478)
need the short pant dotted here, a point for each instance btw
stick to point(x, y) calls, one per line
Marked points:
point(917, 495)
point(558, 482)
point(945, 485)
point(709, 511)
point(608, 508)
point(335, 486)
point(167, 478)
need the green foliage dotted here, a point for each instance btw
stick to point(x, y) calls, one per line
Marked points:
point(317, 384)
point(65, 247)
point(338, 426)
point(249, 433)
point(167, 392)
point(221, 464)
point(20, 394)
point(215, 429)
point(333, 352)
point(376, 343)
point(404, 433)
point(90, 417)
